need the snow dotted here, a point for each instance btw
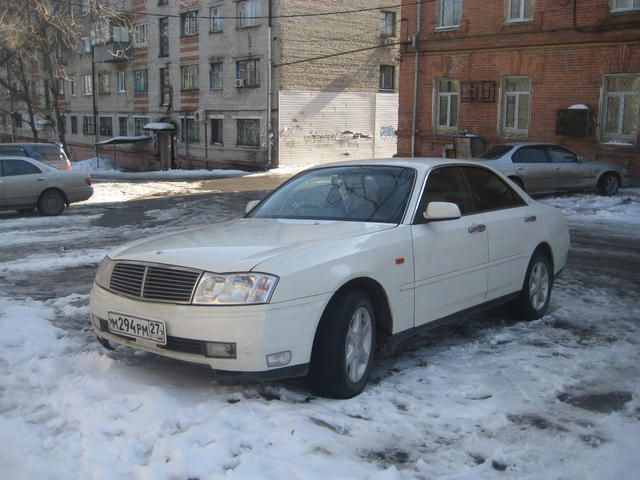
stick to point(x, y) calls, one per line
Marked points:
point(159, 126)
point(578, 106)
point(492, 399)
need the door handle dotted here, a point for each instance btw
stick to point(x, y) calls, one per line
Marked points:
point(520, 169)
point(530, 218)
point(41, 179)
point(556, 168)
point(477, 228)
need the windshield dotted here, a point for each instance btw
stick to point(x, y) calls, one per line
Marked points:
point(352, 193)
point(495, 152)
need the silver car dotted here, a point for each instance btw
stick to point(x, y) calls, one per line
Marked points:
point(26, 184)
point(50, 153)
point(548, 168)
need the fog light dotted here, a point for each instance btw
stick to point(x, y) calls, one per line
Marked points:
point(220, 350)
point(279, 359)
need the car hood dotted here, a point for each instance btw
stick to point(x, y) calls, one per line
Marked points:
point(241, 244)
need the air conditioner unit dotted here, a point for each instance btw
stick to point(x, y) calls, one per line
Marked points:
point(390, 41)
point(239, 82)
point(199, 116)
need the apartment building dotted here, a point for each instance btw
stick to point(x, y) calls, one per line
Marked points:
point(565, 72)
point(238, 83)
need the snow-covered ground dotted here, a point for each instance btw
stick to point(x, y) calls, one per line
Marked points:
point(558, 398)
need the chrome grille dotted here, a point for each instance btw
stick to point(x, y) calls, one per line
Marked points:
point(154, 282)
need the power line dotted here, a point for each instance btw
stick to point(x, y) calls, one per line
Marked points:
point(336, 54)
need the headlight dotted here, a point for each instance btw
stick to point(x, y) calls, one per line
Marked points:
point(103, 277)
point(234, 289)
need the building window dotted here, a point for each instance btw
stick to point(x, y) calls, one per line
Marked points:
point(122, 82)
point(247, 73)
point(519, 10)
point(140, 35)
point(621, 107)
point(88, 127)
point(624, 5)
point(165, 87)
point(248, 132)
point(388, 24)
point(74, 124)
point(387, 76)
point(189, 22)
point(163, 2)
point(122, 126)
point(140, 81)
point(189, 131)
point(189, 77)
point(215, 76)
point(216, 131)
point(447, 101)
point(516, 100)
point(449, 13)
point(217, 17)
point(248, 13)
point(163, 30)
point(61, 87)
point(87, 85)
point(104, 84)
point(72, 87)
point(138, 125)
point(106, 126)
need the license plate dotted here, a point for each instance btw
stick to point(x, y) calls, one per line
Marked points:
point(137, 327)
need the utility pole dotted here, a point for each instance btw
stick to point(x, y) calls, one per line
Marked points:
point(93, 33)
point(11, 112)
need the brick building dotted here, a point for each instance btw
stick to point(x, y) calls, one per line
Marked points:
point(231, 77)
point(509, 70)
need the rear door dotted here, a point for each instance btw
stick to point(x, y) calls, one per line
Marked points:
point(23, 183)
point(511, 229)
point(532, 165)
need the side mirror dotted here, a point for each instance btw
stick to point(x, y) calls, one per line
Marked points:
point(439, 211)
point(251, 205)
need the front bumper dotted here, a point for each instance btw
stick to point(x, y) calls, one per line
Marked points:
point(257, 331)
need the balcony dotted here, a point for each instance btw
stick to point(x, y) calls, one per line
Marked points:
point(113, 51)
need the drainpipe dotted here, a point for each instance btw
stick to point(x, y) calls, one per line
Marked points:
point(414, 42)
point(93, 85)
point(269, 87)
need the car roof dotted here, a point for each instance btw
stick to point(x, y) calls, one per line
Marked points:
point(419, 163)
point(33, 144)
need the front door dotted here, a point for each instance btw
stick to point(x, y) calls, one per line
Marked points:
point(569, 172)
point(450, 256)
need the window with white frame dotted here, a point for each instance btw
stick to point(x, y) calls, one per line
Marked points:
point(624, 5)
point(104, 83)
point(189, 77)
point(217, 17)
point(189, 24)
point(215, 76)
point(247, 73)
point(449, 13)
point(106, 126)
point(87, 85)
point(122, 126)
point(138, 125)
point(140, 81)
point(388, 24)
point(516, 101)
point(163, 32)
point(122, 82)
point(189, 131)
point(88, 126)
point(520, 10)
point(248, 132)
point(621, 109)
point(72, 87)
point(447, 104)
point(248, 12)
point(140, 35)
point(387, 77)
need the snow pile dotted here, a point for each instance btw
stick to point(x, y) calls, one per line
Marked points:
point(624, 206)
point(113, 192)
point(93, 165)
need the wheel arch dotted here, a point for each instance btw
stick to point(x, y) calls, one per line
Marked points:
point(56, 189)
point(607, 172)
point(545, 248)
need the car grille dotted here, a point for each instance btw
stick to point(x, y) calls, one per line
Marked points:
point(154, 282)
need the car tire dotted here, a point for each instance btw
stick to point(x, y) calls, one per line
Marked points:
point(608, 184)
point(344, 346)
point(51, 203)
point(533, 301)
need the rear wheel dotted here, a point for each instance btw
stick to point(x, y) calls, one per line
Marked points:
point(344, 347)
point(51, 203)
point(608, 184)
point(534, 298)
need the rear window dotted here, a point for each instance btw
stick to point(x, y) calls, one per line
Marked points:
point(50, 153)
point(11, 151)
point(495, 152)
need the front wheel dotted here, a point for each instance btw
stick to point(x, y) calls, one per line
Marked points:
point(344, 347)
point(534, 298)
point(608, 184)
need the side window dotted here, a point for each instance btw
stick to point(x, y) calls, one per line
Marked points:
point(19, 167)
point(561, 155)
point(490, 192)
point(530, 155)
point(446, 184)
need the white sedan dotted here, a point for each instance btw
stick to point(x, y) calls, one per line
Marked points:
point(337, 262)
